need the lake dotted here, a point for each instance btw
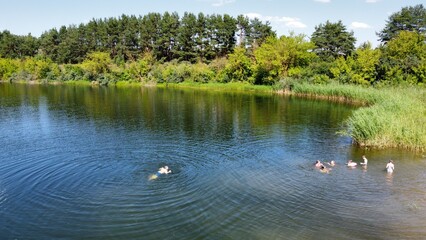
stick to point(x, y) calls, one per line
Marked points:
point(75, 163)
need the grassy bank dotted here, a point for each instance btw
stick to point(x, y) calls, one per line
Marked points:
point(233, 86)
point(391, 117)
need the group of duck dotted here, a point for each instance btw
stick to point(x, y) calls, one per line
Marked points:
point(390, 167)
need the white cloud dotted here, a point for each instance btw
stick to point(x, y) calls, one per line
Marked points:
point(276, 20)
point(371, 1)
point(253, 15)
point(324, 1)
point(357, 25)
point(219, 3)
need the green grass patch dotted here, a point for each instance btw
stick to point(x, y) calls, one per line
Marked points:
point(233, 86)
point(127, 84)
point(76, 82)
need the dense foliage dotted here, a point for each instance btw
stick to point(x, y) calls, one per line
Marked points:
point(216, 48)
point(188, 38)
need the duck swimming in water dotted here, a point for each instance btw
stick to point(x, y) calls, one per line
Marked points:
point(161, 170)
point(351, 164)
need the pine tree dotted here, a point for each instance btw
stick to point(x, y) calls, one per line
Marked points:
point(332, 40)
point(411, 19)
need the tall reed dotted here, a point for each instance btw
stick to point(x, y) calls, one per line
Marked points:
point(391, 117)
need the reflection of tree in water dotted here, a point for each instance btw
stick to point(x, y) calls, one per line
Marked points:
point(389, 179)
point(198, 112)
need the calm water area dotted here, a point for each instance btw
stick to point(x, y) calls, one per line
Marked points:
point(75, 163)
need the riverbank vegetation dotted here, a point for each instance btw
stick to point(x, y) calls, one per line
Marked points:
point(390, 117)
point(208, 50)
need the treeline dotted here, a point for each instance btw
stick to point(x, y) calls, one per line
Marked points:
point(217, 48)
point(168, 36)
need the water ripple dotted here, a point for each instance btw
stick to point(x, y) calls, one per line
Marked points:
point(241, 173)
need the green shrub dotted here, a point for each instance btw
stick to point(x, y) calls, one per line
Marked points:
point(71, 73)
point(8, 67)
point(200, 73)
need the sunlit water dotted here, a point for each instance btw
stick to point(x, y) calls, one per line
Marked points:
point(75, 163)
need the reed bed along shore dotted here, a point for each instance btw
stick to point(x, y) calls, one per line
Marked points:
point(389, 117)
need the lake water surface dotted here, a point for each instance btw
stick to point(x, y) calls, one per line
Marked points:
point(75, 163)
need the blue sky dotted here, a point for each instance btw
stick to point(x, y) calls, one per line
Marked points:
point(364, 17)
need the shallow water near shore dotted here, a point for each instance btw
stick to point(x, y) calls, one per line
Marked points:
point(75, 163)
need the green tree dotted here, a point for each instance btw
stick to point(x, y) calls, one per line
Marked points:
point(97, 63)
point(221, 32)
point(8, 67)
point(167, 39)
point(243, 26)
point(124, 41)
point(227, 34)
point(411, 19)
point(101, 36)
point(49, 43)
point(8, 45)
point(40, 68)
point(28, 45)
point(276, 57)
point(367, 62)
point(200, 72)
point(361, 68)
point(113, 33)
point(258, 32)
point(201, 39)
point(130, 37)
point(71, 48)
point(404, 58)
point(186, 38)
point(332, 40)
point(217, 66)
point(149, 28)
point(211, 37)
point(238, 68)
point(139, 69)
point(91, 36)
point(14, 46)
point(192, 38)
